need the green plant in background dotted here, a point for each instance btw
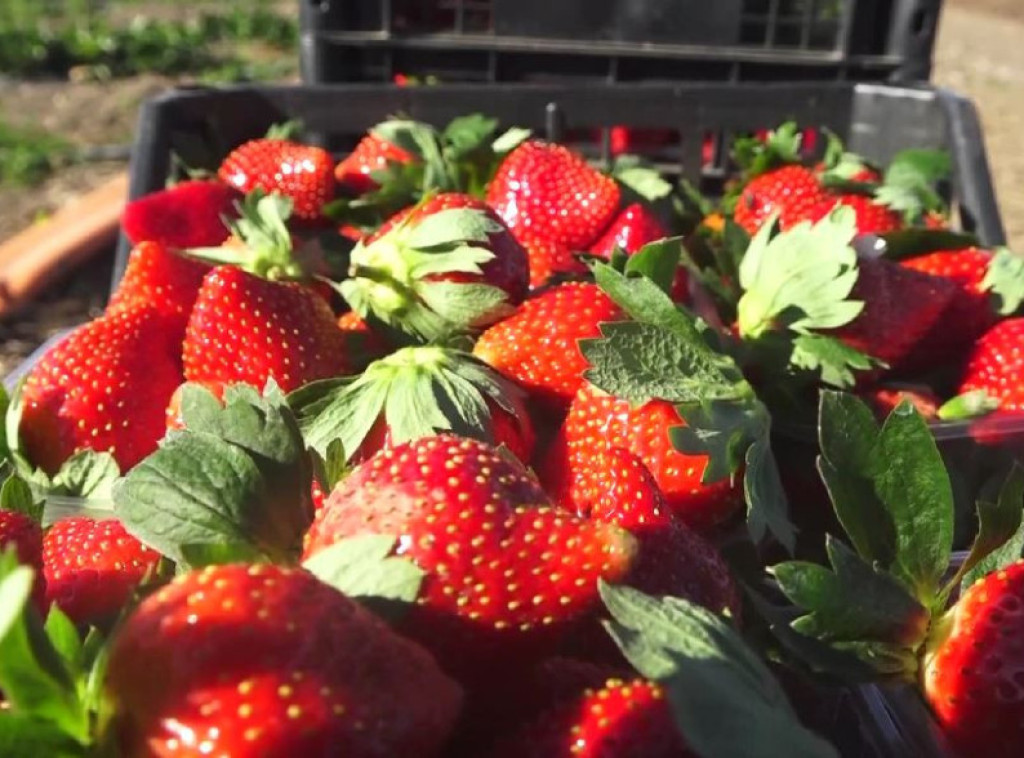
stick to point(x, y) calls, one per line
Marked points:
point(112, 39)
point(28, 155)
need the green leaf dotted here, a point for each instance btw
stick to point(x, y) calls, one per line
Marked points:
point(644, 181)
point(22, 736)
point(465, 134)
point(33, 678)
point(724, 700)
point(64, 637)
point(755, 156)
point(86, 474)
point(463, 305)
point(723, 430)
point(909, 182)
point(800, 279)
point(237, 476)
point(16, 495)
point(658, 261)
point(767, 507)
point(854, 601)
point(911, 480)
point(333, 466)
point(450, 226)
point(412, 136)
point(509, 140)
point(1000, 538)
point(848, 434)
point(364, 568)
point(833, 359)
point(969, 405)
point(1005, 280)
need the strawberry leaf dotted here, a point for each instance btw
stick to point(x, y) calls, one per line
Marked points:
point(467, 134)
point(22, 736)
point(642, 179)
point(724, 700)
point(767, 507)
point(909, 184)
point(833, 359)
point(853, 601)
point(86, 474)
point(1005, 280)
point(237, 477)
point(63, 635)
point(365, 568)
point(331, 467)
point(800, 280)
point(509, 140)
point(969, 405)
point(780, 147)
point(658, 261)
point(1000, 538)
point(453, 225)
point(17, 495)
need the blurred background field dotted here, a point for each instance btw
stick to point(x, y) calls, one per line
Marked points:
point(73, 72)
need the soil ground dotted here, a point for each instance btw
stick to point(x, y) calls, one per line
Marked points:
point(980, 53)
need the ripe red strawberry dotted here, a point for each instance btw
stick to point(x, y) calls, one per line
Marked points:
point(104, 387)
point(267, 661)
point(633, 228)
point(23, 534)
point(970, 313)
point(673, 560)
point(872, 216)
point(548, 191)
point(884, 400)
point(301, 172)
point(621, 719)
point(901, 306)
point(508, 575)
point(537, 345)
point(373, 153)
point(597, 420)
point(626, 139)
point(549, 259)
point(792, 191)
point(972, 667)
point(447, 264)
point(164, 279)
point(996, 363)
point(247, 329)
point(189, 214)
point(92, 566)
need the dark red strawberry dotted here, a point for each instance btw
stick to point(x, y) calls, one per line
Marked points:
point(373, 153)
point(162, 278)
point(105, 387)
point(268, 662)
point(248, 329)
point(92, 567)
point(537, 346)
point(21, 533)
point(793, 192)
point(189, 214)
point(620, 719)
point(447, 264)
point(508, 574)
point(972, 666)
point(597, 420)
point(996, 365)
point(301, 172)
point(547, 191)
point(633, 228)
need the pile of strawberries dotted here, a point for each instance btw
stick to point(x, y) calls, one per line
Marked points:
point(446, 449)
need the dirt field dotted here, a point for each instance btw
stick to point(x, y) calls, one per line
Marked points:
point(980, 53)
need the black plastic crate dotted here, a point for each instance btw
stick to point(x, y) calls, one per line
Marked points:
point(618, 40)
point(877, 120)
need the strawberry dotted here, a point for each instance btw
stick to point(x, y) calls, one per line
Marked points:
point(793, 192)
point(303, 173)
point(872, 216)
point(164, 279)
point(447, 264)
point(673, 560)
point(598, 420)
point(189, 214)
point(247, 329)
point(21, 533)
point(373, 153)
point(548, 191)
point(507, 574)
point(92, 567)
point(995, 364)
point(549, 260)
point(630, 230)
point(537, 345)
point(104, 387)
point(970, 313)
point(972, 667)
point(412, 393)
point(619, 719)
point(267, 661)
point(362, 339)
point(626, 139)
point(884, 399)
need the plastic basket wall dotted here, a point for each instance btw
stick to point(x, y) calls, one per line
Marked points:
point(618, 40)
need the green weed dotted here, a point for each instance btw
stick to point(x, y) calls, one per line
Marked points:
point(27, 156)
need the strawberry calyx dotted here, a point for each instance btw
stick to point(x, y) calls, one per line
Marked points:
point(267, 248)
point(403, 278)
point(882, 603)
point(969, 405)
point(416, 391)
point(1004, 281)
point(909, 184)
point(780, 147)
